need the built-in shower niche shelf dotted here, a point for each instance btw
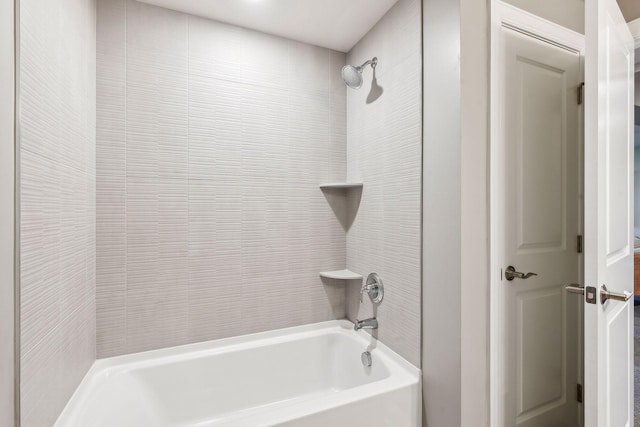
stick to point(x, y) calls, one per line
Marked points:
point(345, 185)
point(344, 199)
point(341, 275)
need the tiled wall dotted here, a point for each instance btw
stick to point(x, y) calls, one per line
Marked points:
point(7, 212)
point(212, 141)
point(57, 202)
point(384, 145)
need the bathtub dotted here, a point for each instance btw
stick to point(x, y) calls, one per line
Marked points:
point(310, 375)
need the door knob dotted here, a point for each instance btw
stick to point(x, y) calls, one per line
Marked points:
point(511, 273)
point(575, 289)
point(590, 291)
point(605, 295)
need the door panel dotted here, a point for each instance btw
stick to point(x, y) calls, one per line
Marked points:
point(541, 350)
point(617, 149)
point(608, 215)
point(541, 146)
point(540, 210)
point(620, 374)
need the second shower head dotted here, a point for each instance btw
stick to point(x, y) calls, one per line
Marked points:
point(352, 76)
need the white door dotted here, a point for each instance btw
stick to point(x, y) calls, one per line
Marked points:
point(535, 201)
point(608, 253)
point(539, 210)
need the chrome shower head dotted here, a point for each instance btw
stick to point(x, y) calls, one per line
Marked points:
point(352, 76)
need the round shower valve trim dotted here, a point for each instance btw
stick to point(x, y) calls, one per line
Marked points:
point(374, 288)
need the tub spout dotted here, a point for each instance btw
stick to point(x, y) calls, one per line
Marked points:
point(371, 323)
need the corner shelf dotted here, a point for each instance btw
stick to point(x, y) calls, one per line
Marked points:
point(341, 185)
point(341, 275)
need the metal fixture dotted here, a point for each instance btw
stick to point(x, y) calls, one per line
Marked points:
point(579, 393)
point(580, 93)
point(575, 289)
point(511, 273)
point(371, 323)
point(366, 359)
point(581, 290)
point(605, 295)
point(374, 288)
point(352, 76)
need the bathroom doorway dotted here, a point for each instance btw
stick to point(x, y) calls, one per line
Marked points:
point(537, 211)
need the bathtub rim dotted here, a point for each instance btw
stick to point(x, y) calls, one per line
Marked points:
point(240, 342)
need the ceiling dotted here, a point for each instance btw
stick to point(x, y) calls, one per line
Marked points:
point(334, 24)
point(630, 9)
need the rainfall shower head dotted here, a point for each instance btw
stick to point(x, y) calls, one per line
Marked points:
point(352, 76)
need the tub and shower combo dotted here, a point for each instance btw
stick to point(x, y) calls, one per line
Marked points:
point(186, 170)
point(325, 374)
point(313, 375)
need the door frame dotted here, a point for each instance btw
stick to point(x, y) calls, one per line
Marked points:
point(505, 15)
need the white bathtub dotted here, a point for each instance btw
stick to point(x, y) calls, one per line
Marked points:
point(304, 376)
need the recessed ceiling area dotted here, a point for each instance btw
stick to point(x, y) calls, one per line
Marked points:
point(334, 24)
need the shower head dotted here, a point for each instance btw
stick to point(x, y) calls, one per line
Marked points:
point(352, 76)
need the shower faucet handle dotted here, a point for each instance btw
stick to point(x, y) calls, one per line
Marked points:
point(364, 288)
point(374, 288)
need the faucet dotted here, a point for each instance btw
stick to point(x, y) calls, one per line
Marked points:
point(374, 288)
point(371, 323)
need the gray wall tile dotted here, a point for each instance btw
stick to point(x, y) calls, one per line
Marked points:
point(58, 214)
point(212, 141)
point(384, 144)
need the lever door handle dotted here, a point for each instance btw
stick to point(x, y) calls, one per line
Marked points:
point(605, 295)
point(575, 289)
point(511, 273)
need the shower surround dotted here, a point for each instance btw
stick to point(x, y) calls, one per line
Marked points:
point(57, 178)
point(168, 185)
point(212, 140)
point(384, 150)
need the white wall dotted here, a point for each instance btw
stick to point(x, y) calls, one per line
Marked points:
point(474, 40)
point(57, 203)
point(6, 213)
point(455, 358)
point(441, 211)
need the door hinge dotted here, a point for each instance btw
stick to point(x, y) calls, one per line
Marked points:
point(579, 245)
point(580, 93)
point(579, 393)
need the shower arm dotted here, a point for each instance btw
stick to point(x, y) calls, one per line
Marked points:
point(373, 63)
